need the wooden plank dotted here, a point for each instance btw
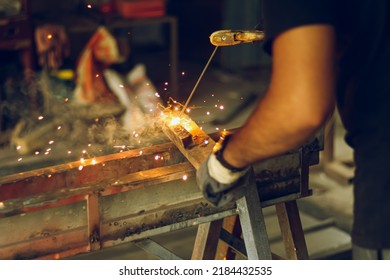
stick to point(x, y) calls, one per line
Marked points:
point(291, 228)
point(206, 241)
point(232, 226)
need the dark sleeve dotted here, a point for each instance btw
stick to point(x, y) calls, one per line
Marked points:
point(282, 15)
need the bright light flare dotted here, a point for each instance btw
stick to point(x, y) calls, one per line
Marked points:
point(175, 121)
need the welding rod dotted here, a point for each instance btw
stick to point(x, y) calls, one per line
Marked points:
point(197, 83)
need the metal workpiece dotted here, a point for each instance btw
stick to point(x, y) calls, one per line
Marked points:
point(60, 211)
point(234, 37)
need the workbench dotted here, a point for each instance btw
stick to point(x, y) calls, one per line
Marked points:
point(79, 207)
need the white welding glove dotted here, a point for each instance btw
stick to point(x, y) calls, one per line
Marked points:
point(221, 185)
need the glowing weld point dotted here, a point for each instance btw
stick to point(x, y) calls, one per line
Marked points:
point(49, 176)
point(2, 205)
point(141, 152)
point(37, 153)
point(217, 128)
point(206, 141)
point(208, 113)
point(81, 167)
point(157, 157)
point(66, 99)
point(82, 160)
point(94, 161)
point(221, 107)
point(69, 152)
point(188, 110)
point(51, 142)
point(183, 73)
point(40, 118)
point(49, 36)
point(59, 127)
point(97, 76)
point(84, 151)
point(175, 121)
point(121, 86)
point(157, 95)
point(185, 177)
point(46, 153)
point(89, 145)
point(19, 159)
point(166, 83)
point(48, 149)
point(18, 147)
point(89, 6)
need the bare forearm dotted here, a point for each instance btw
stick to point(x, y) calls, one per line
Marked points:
point(275, 127)
point(299, 100)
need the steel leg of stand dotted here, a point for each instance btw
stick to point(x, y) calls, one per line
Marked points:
point(253, 226)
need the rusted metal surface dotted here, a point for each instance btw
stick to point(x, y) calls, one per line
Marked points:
point(61, 211)
point(175, 124)
point(94, 170)
point(93, 215)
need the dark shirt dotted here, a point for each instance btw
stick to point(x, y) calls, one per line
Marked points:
point(363, 96)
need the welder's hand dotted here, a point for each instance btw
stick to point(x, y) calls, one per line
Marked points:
point(221, 185)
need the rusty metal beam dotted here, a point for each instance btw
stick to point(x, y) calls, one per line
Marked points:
point(87, 171)
point(93, 219)
point(126, 196)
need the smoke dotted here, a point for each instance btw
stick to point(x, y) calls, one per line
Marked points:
point(62, 131)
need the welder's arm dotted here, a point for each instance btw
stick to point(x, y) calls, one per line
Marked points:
point(298, 102)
